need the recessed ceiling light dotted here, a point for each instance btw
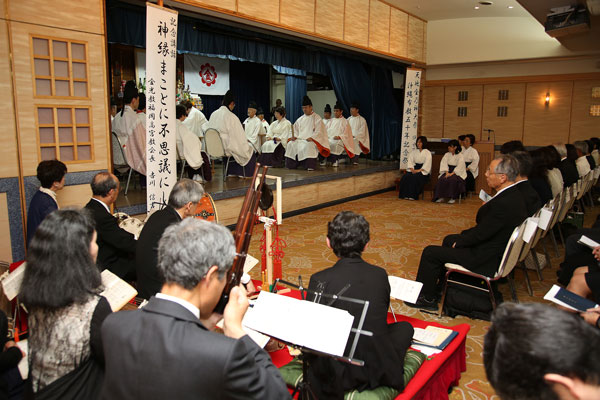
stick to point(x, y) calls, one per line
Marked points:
point(510, 7)
point(476, 7)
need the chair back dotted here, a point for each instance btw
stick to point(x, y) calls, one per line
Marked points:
point(530, 223)
point(511, 252)
point(214, 143)
point(119, 159)
point(570, 197)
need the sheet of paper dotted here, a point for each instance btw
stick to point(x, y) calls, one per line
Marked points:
point(304, 323)
point(404, 289)
point(545, 216)
point(116, 290)
point(256, 336)
point(592, 244)
point(249, 263)
point(23, 365)
point(428, 351)
point(530, 228)
point(11, 282)
point(442, 333)
point(484, 196)
point(425, 336)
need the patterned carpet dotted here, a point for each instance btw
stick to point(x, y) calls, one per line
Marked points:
point(400, 229)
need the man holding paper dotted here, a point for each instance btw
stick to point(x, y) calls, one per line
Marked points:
point(383, 353)
point(166, 351)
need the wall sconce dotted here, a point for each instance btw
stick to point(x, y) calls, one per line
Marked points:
point(547, 102)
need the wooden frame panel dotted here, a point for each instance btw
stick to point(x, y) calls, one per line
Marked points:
point(415, 38)
point(329, 20)
point(583, 125)
point(399, 33)
point(379, 26)
point(509, 127)
point(356, 22)
point(298, 14)
point(545, 125)
point(267, 10)
point(455, 125)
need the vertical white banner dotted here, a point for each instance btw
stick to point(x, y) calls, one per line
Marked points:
point(161, 56)
point(410, 118)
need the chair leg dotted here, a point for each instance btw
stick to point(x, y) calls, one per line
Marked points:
point(491, 292)
point(443, 300)
point(225, 170)
point(511, 285)
point(551, 233)
point(560, 235)
point(128, 179)
point(537, 264)
point(527, 281)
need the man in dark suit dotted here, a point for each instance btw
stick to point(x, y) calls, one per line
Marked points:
point(116, 247)
point(567, 167)
point(531, 197)
point(166, 351)
point(383, 353)
point(481, 247)
point(183, 199)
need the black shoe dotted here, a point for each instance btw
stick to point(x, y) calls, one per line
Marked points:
point(424, 304)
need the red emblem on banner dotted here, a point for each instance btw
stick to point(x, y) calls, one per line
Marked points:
point(208, 74)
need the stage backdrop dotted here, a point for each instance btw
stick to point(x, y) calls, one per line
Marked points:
point(411, 114)
point(206, 75)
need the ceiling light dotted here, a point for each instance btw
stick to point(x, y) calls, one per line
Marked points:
point(510, 7)
point(476, 7)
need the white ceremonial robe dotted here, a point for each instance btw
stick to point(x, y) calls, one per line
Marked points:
point(189, 146)
point(340, 127)
point(232, 134)
point(265, 125)
point(583, 166)
point(253, 127)
point(195, 122)
point(281, 130)
point(596, 156)
point(142, 117)
point(308, 126)
point(453, 159)
point(420, 157)
point(327, 121)
point(471, 155)
point(132, 135)
point(360, 131)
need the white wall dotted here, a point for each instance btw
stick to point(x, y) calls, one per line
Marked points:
point(321, 97)
point(278, 92)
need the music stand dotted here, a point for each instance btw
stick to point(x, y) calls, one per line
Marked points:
point(304, 388)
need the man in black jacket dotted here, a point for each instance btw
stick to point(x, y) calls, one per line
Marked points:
point(481, 247)
point(116, 246)
point(182, 203)
point(531, 197)
point(567, 167)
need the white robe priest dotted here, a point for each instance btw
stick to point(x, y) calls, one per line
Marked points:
point(276, 142)
point(254, 128)
point(360, 132)
point(132, 135)
point(340, 136)
point(196, 122)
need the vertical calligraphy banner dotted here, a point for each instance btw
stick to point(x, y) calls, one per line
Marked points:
point(161, 54)
point(410, 118)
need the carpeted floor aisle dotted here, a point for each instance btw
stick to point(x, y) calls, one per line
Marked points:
point(400, 229)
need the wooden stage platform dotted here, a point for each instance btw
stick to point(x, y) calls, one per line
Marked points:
point(302, 190)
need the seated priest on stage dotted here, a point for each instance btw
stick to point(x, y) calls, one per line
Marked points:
point(261, 115)
point(130, 129)
point(453, 172)
point(471, 157)
point(383, 353)
point(273, 149)
point(166, 350)
point(253, 127)
point(183, 200)
point(480, 248)
point(340, 137)
point(234, 138)
point(195, 120)
point(327, 115)
point(360, 131)
point(189, 148)
point(116, 246)
point(418, 171)
point(309, 139)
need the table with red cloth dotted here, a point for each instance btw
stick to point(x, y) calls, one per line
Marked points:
point(437, 374)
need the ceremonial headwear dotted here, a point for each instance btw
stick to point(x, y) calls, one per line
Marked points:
point(228, 98)
point(355, 104)
point(327, 108)
point(306, 101)
point(259, 111)
point(253, 105)
point(338, 106)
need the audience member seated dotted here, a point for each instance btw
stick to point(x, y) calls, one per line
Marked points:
point(534, 351)
point(567, 166)
point(273, 149)
point(471, 157)
point(480, 248)
point(511, 147)
point(190, 148)
point(11, 383)
point(116, 246)
point(539, 175)
point(577, 255)
point(51, 174)
point(531, 197)
point(418, 171)
point(594, 153)
point(583, 166)
point(183, 200)
point(588, 155)
point(309, 139)
point(553, 175)
point(234, 138)
point(340, 137)
point(383, 353)
point(586, 280)
point(166, 351)
point(60, 289)
point(130, 130)
point(453, 172)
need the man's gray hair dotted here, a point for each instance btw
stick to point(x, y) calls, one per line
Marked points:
point(581, 146)
point(508, 166)
point(561, 148)
point(184, 191)
point(189, 248)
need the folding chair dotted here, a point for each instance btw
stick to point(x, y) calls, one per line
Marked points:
point(215, 148)
point(117, 148)
point(507, 264)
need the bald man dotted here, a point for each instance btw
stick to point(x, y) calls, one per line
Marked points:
point(116, 247)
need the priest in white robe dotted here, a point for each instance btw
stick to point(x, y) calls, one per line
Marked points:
point(360, 132)
point(195, 121)
point(189, 148)
point(253, 127)
point(309, 139)
point(234, 138)
point(261, 115)
point(130, 130)
point(273, 149)
point(141, 110)
point(327, 116)
point(340, 137)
